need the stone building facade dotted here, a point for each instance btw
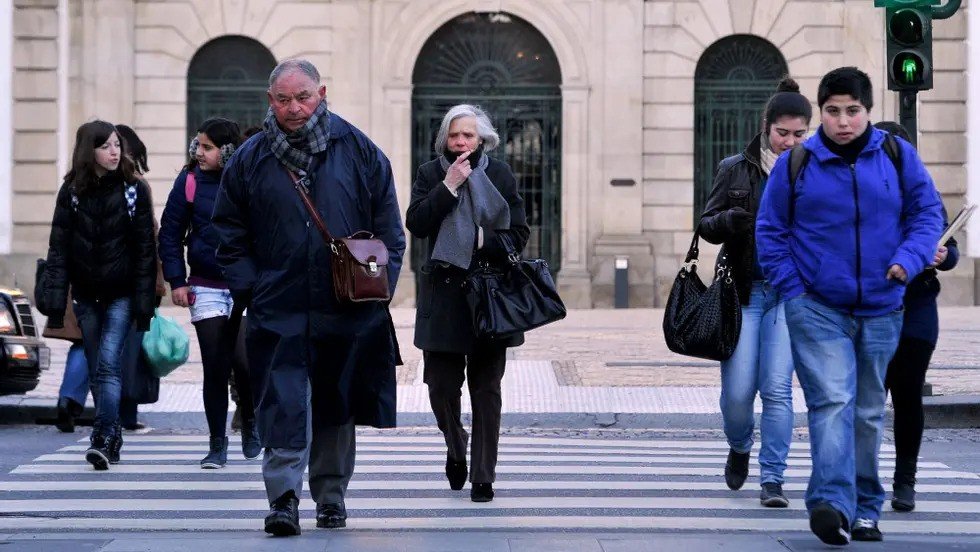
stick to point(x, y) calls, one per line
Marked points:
point(615, 125)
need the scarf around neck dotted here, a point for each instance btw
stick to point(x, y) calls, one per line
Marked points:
point(480, 205)
point(296, 149)
point(767, 157)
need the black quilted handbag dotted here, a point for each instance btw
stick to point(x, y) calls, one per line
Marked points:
point(517, 297)
point(702, 321)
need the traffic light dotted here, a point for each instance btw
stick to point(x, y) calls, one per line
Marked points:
point(908, 34)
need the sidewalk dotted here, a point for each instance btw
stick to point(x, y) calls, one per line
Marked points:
point(593, 361)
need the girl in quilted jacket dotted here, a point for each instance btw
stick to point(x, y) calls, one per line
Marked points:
point(186, 222)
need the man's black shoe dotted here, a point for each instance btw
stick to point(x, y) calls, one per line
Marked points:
point(98, 452)
point(283, 518)
point(903, 493)
point(481, 492)
point(829, 525)
point(455, 473)
point(736, 469)
point(331, 516)
point(66, 415)
point(772, 496)
point(866, 530)
point(134, 426)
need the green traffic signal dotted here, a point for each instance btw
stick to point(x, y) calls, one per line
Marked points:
point(908, 69)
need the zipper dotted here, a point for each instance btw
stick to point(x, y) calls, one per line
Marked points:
point(857, 233)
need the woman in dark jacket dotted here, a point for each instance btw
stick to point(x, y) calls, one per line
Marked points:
point(762, 362)
point(102, 245)
point(187, 221)
point(907, 370)
point(468, 207)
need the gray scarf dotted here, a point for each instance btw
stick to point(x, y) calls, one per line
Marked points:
point(296, 149)
point(480, 206)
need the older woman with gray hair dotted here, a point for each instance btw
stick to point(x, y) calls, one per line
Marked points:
point(468, 207)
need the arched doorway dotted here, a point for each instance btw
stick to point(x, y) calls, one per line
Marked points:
point(228, 77)
point(733, 80)
point(506, 66)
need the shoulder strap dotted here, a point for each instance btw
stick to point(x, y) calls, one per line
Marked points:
point(799, 156)
point(190, 187)
point(894, 152)
point(305, 197)
point(131, 200)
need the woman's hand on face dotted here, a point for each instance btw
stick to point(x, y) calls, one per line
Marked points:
point(458, 172)
point(180, 296)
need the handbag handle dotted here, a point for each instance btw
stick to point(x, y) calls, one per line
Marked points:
point(692, 252)
point(305, 197)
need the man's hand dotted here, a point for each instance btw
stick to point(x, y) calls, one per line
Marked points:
point(458, 172)
point(181, 296)
point(940, 257)
point(896, 272)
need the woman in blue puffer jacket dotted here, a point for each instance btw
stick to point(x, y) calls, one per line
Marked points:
point(186, 222)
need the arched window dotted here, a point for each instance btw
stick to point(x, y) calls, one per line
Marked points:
point(506, 66)
point(228, 77)
point(734, 78)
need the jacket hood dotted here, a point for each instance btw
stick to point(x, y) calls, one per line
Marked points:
point(819, 149)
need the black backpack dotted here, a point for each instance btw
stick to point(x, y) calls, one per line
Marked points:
point(799, 156)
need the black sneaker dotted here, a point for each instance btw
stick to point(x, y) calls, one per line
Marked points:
point(251, 445)
point(481, 492)
point(115, 446)
point(829, 525)
point(903, 493)
point(866, 530)
point(283, 518)
point(772, 496)
point(218, 456)
point(736, 469)
point(331, 516)
point(455, 473)
point(98, 452)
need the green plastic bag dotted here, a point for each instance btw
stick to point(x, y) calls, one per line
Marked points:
point(166, 345)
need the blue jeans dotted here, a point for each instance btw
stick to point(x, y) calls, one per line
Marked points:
point(841, 361)
point(74, 383)
point(763, 364)
point(105, 326)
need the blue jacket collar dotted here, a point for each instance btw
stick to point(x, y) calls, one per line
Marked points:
point(817, 147)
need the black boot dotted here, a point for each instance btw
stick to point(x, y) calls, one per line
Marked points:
point(331, 516)
point(251, 444)
point(66, 415)
point(481, 492)
point(903, 487)
point(115, 445)
point(283, 518)
point(218, 455)
point(98, 452)
point(736, 469)
point(455, 473)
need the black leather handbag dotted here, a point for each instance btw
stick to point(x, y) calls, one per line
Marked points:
point(703, 321)
point(517, 297)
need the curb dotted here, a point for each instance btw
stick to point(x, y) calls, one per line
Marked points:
point(952, 411)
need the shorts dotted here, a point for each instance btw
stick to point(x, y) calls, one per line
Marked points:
point(210, 303)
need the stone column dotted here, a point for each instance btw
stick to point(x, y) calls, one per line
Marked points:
point(106, 60)
point(6, 123)
point(973, 130)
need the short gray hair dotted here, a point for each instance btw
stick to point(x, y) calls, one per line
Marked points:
point(290, 65)
point(483, 127)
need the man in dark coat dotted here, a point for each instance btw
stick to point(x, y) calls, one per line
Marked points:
point(312, 358)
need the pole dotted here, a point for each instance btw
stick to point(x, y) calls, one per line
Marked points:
point(907, 113)
point(947, 11)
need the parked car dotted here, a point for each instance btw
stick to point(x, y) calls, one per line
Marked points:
point(23, 354)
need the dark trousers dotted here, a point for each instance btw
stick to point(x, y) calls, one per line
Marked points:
point(482, 369)
point(906, 375)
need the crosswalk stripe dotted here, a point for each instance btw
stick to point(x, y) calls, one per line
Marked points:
point(441, 449)
point(482, 522)
point(432, 503)
point(596, 487)
point(503, 458)
point(507, 469)
point(504, 440)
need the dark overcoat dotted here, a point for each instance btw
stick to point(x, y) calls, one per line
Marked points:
point(276, 262)
point(442, 316)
